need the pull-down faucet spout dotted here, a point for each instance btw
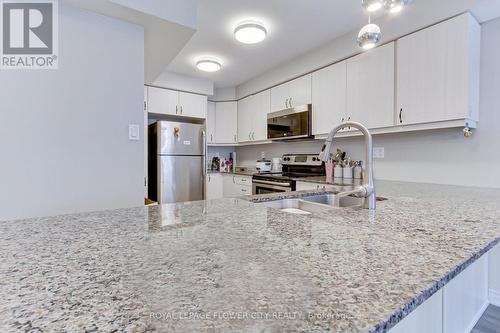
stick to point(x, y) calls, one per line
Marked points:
point(367, 189)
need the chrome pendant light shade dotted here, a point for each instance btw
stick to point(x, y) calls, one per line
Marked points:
point(372, 5)
point(369, 36)
point(395, 6)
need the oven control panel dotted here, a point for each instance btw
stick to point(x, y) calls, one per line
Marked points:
point(302, 159)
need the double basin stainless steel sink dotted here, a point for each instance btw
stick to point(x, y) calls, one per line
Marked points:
point(315, 203)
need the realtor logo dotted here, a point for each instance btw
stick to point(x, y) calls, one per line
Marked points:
point(29, 34)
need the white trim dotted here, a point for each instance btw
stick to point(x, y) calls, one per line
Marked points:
point(494, 297)
point(457, 123)
point(476, 317)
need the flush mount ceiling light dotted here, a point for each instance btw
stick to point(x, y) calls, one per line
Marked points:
point(372, 5)
point(395, 6)
point(369, 36)
point(208, 65)
point(250, 32)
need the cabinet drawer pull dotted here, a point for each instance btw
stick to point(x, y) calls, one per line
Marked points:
point(401, 115)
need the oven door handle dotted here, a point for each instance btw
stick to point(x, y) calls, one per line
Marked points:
point(264, 182)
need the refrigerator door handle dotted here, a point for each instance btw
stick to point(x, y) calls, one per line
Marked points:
point(204, 142)
point(204, 166)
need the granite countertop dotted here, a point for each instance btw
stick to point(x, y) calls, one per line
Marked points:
point(231, 265)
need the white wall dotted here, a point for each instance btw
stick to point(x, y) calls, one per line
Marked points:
point(64, 133)
point(442, 156)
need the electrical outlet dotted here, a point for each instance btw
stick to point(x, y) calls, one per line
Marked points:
point(378, 152)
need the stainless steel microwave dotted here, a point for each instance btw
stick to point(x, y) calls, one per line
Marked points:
point(293, 123)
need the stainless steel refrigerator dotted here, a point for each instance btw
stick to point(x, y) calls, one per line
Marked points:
point(176, 162)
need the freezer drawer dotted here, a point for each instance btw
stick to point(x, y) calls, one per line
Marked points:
point(181, 178)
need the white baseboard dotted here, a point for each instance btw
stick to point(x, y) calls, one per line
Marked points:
point(494, 297)
point(477, 317)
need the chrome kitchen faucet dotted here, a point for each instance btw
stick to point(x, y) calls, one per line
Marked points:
point(367, 189)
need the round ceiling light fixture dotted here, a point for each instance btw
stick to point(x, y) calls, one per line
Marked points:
point(369, 36)
point(208, 65)
point(372, 5)
point(395, 6)
point(250, 32)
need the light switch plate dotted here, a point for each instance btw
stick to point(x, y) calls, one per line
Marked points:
point(378, 152)
point(133, 132)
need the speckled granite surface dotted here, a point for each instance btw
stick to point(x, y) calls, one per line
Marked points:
point(230, 265)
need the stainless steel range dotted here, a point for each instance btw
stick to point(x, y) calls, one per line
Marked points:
point(295, 166)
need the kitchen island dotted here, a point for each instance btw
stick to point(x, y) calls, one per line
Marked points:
point(234, 265)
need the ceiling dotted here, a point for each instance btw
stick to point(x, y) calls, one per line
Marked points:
point(294, 27)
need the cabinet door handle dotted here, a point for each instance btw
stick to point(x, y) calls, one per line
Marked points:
point(211, 138)
point(343, 119)
point(181, 109)
point(286, 103)
point(249, 135)
point(176, 109)
point(253, 135)
point(290, 102)
point(235, 138)
point(401, 115)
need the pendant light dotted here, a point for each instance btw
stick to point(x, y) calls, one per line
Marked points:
point(372, 5)
point(369, 36)
point(395, 6)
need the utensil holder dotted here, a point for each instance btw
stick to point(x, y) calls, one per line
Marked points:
point(358, 172)
point(347, 172)
point(338, 172)
point(329, 171)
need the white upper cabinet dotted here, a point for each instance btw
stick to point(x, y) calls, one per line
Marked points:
point(279, 97)
point(171, 102)
point(438, 72)
point(252, 117)
point(245, 119)
point(300, 91)
point(328, 97)
point(211, 119)
point(370, 87)
point(192, 105)
point(262, 103)
point(290, 94)
point(226, 122)
point(163, 101)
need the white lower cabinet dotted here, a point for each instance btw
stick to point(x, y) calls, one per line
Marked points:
point(428, 317)
point(455, 308)
point(214, 186)
point(236, 185)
